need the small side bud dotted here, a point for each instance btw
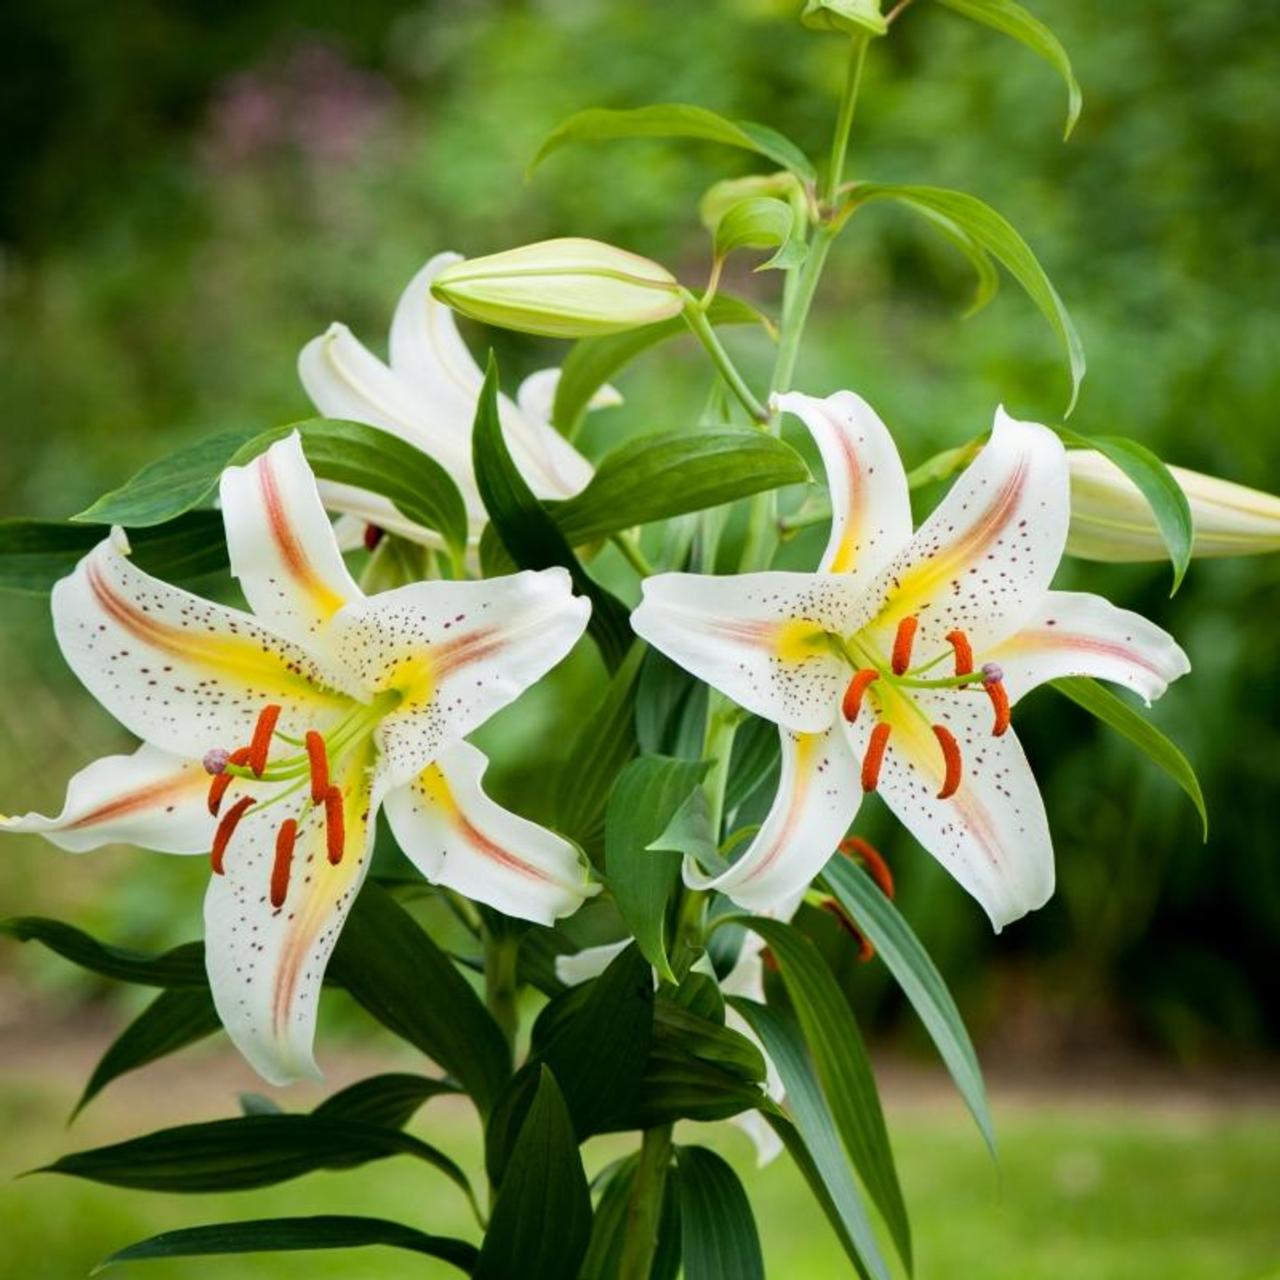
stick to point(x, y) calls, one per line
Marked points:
point(569, 288)
point(850, 17)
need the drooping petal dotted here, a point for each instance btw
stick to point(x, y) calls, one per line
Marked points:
point(758, 637)
point(818, 796)
point(536, 395)
point(983, 560)
point(182, 673)
point(991, 834)
point(266, 963)
point(361, 508)
point(581, 966)
point(282, 546)
point(150, 798)
point(870, 502)
point(456, 652)
point(458, 837)
point(1077, 634)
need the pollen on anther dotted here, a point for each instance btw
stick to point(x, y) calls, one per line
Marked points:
point(334, 825)
point(261, 744)
point(902, 642)
point(319, 761)
point(951, 758)
point(872, 859)
point(286, 838)
point(852, 701)
point(226, 828)
point(875, 756)
point(963, 651)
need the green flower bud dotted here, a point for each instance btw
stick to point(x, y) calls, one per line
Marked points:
point(569, 288)
point(851, 17)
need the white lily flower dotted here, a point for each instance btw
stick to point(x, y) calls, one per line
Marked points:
point(848, 661)
point(427, 396)
point(1111, 520)
point(311, 713)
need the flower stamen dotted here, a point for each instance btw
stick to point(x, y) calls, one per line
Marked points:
point(875, 756)
point(852, 700)
point(260, 746)
point(951, 757)
point(286, 838)
point(963, 651)
point(221, 837)
point(334, 825)
point(872, 859)
point(318, 761)
point(902, 642)
point(993, 683)
point(373, 535)
point(223, 779)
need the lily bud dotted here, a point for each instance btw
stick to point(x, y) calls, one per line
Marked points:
point(569, 288)
point(851, 17)
point(1110, 519)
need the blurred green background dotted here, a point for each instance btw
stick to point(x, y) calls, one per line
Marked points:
point(190, 191)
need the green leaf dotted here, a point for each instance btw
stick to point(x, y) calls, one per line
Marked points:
point(645, 799)
point(1104, 704)
point(291, 1235)
point(609, 1222)
point(258, 1104)
point(34, 554)
point(246, 1152)
point(995, 235)
point(668, 474)
point(391, 966)
point(591, 362)
point(717, 1228)
point(180, 967)
point(761, 222)
point(917, 975)
point(676, 120)
point(847, 17)
point(813, 1142)
point(756, 751)
point(389, 1100)
point(173, 1020)
point(541, 1222)
point(988, 278)
point(840, 1059)
point(345, 452)
point(1013, 20)
point(705, 1038)
point(1163, 493)
point(691, 832)
point(528, 533)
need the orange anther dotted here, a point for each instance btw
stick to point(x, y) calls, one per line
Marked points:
point(964, 652)
point(951, 755)
point(334, 824)
point(221, 781)
point(1000, 701)
point(865, 950)
point(875, 755)
point(372, 536)
point(852, 700)
point(286, 838)
point(226, 828)
point(902, 643)
point(319, 766)
point(261, 744)
point(871, 858)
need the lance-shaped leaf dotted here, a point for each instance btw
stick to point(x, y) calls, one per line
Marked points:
point(294, 1235)
point(173, 1020)
point(917, 975)
point(676, 120)
point(34, 554)
point(995, 235)
point(716, 1225)
point(388, 1100)
point(1014, 20)
point(528, 533)
point(761, 222)
point(1164, 495)
point(179, 967)
point(344, 452)
point(541, 1222)
point(1121, 717)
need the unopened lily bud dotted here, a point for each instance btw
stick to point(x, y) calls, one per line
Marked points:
point(1110, 519)
point(849, 16)
point(569, 288)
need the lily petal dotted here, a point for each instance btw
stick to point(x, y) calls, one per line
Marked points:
point(870, 502)
point(282, 546)
point(456, 652)
point(365, 508)
point(992, 834)
point(581, 966)
point(458, 837)
point(182, 673)
point(758, 637)
point(536, 395)
point(818, 796)
point(984, 558)
point(1077, 634)
point(150, 798)
point(266, 964)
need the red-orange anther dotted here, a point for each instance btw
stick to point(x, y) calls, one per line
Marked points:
point(261, 744)
point(963, 650)
point(902, 642)
point(319, 761)
point(226, 828)
point(865, 950)
point(871, 858)
point(875, 755)
point(335, 833)
point(951, 756)
point(372, 536)
point(769, 960)
point(852, 700)
point(286, 838)
point(1000, 701)
point(218, 787)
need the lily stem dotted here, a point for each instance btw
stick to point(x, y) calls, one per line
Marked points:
point(629, 545)
point(844, 118)
point(696, 318)
point(644, 1208)
point(500, 957)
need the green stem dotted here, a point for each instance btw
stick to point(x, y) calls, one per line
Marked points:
point(500, 956)
point(697, 320)
point(630, 548)
point(844, 118)
point(644, 1208)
